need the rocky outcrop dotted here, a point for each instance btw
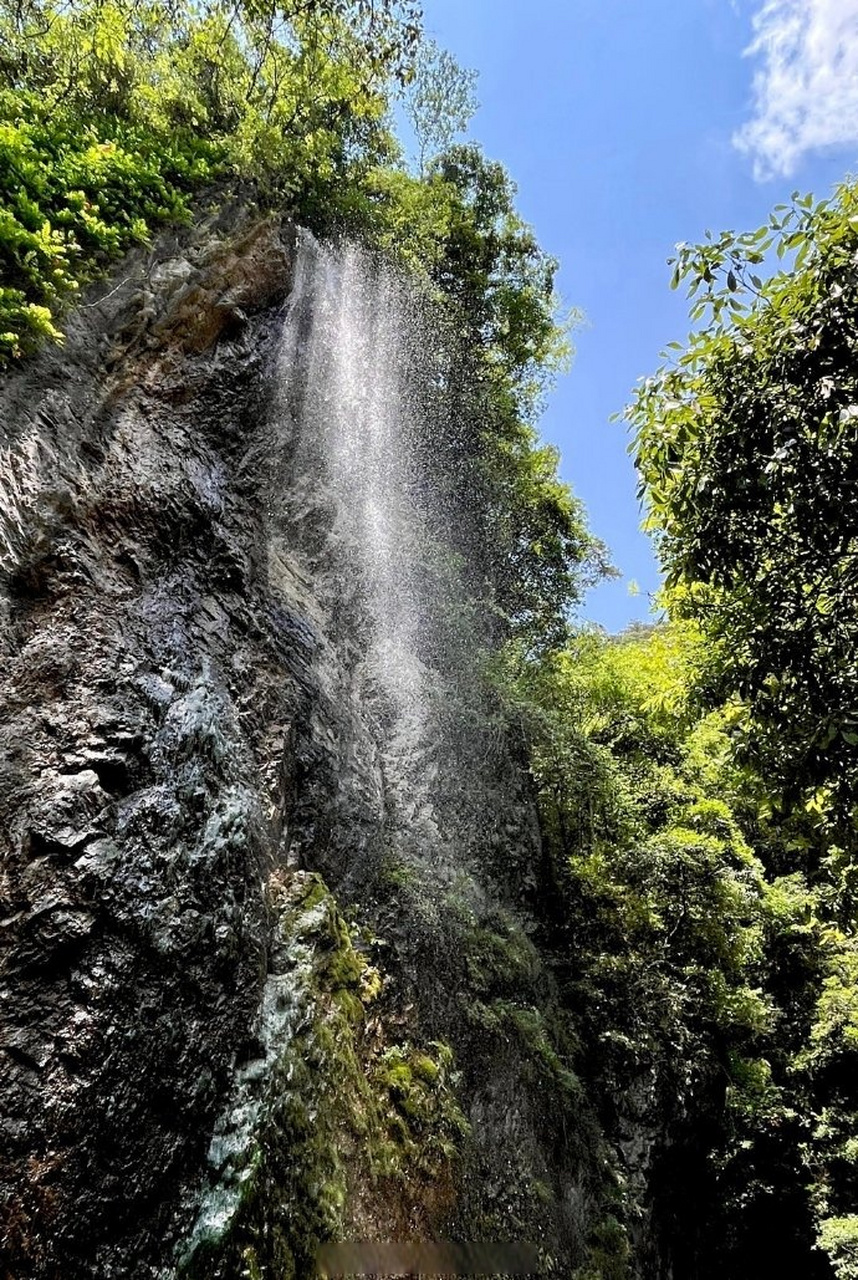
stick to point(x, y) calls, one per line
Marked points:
point(146, 713)
point(204, 1071)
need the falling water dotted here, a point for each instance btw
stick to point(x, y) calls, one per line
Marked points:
point(353, 355)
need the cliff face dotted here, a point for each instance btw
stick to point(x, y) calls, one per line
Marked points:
point(206, 1071)
point(144, 688)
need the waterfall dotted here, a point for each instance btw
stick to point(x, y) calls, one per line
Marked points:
point(354, 368)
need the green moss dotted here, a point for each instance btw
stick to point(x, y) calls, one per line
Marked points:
point(371, 983)
point(316, 893)
point(396, 875)
point(396, 1078)
point(533, 1029)
point(334, 1113)
point(423, 1120)
point(425, 1068)
point(542, 1191)
point(608, 1253)
point(252, 1270)
point(343, 968)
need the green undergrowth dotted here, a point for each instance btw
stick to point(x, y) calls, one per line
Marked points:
point(72, 199)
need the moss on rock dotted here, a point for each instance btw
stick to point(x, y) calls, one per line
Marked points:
point(321, 1110)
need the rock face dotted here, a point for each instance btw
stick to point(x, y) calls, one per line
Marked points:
point(146, 710)
point(201, 1076)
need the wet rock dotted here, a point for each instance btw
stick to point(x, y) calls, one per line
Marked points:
point(132, 920)
point(187, 731)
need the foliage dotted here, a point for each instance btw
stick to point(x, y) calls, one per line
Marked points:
point(713, 1002)
point(115, 112)
point(658, 914)
point(504, 343)
point(746, 444)
point(838, 1237)
point(439, 101)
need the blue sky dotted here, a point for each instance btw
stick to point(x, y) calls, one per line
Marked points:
point(629, 125)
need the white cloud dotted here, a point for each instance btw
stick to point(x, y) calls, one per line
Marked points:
point(806, 89)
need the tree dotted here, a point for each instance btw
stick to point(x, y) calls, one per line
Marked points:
point(506, 339)
point(113, 113)
point(657, 913)
point(439, 101)
point(747, 448)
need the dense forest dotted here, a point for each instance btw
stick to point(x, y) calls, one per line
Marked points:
point(697, 778)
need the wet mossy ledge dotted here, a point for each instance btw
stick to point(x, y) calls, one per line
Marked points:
point(345, 1124)
point(332, 1130)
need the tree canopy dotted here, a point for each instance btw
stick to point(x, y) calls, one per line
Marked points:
point(113, 113)
point(747, 445)
point(746, 441)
